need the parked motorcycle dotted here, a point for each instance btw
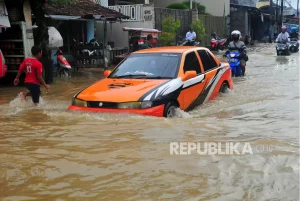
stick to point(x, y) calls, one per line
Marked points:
point(294, 45)
point(217, 44)
point(83, 50)
point(185, 42)
point(234, 60)
point(92, 43)
point(283, 48)
point(3, 67)
point(63, 66)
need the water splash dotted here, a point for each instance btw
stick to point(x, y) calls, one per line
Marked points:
point(17, 105)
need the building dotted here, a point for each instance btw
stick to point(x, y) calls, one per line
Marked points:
point(254, 18)
point(76, 24)
point(213, 7)
point(141, 15)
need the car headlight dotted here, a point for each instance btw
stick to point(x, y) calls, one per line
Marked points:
point(78, 102)
point(135, 105)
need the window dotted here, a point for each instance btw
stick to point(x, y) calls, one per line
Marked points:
point(207, 60)
point(148, 66)
point(191, 63)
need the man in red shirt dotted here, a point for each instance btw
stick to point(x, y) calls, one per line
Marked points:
point(34, 71)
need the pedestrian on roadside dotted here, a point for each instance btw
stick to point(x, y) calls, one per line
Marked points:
point(34, 71)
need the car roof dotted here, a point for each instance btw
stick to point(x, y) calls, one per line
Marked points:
point(169, 49)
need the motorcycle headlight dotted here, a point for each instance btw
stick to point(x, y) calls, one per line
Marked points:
point(135, 105)
point(78, 102)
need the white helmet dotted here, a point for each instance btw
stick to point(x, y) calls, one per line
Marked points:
point(236, 35)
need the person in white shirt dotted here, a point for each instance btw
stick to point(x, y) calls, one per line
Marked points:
point(284, 36)
point(190, 37)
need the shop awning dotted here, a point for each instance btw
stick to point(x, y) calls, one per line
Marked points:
point(82, 9)
point(63, 17)
point(141, 29)
point(4, 21)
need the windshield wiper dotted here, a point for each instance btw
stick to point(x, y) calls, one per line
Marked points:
point(131, 76)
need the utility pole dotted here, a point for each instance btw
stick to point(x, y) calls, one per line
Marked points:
point(277, 12)
point(272, 20)
point(281, 20)
point(191, 4)
point(271, 8)
point(298, 8)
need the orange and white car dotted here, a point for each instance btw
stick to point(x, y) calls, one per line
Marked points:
point(156, 81)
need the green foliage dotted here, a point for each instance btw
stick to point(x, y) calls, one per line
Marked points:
point(169, 28)
point(199, 28)
point(201, 9)
point(180, 6)
point(187, 4)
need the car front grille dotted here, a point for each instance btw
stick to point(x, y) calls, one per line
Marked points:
point(100, 104)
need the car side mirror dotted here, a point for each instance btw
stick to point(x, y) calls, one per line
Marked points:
point(107, 73)
point(189, 75)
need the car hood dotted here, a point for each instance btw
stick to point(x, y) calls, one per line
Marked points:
point(119, 90)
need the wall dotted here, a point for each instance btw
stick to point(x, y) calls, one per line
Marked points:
point(238, 21)
point(115, 31)
point(213, 7)
point(185, 17)
point(213, 24)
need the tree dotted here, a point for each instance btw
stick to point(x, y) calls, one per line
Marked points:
point(199, 28)
point(169, 28)
point(180, 6)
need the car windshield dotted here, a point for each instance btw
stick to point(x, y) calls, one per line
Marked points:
point(148, 66)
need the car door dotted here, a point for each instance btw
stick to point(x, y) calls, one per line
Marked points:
point(213, 72)
point(192, 88)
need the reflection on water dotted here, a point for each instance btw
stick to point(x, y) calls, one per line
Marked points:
point(49, 153)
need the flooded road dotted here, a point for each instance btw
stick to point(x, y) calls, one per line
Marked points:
point(49, 153)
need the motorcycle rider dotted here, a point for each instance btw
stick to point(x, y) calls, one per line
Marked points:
point(237, 44)
point(294, 33)
point(214, 36)
point(283, 36)
point(190, 37)
point(149, 43)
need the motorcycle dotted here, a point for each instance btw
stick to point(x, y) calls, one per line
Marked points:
point(283, 48)
point(83, 50)
point(235, 63)
point(294, 45)
point(63, 66)
point(3, 67)
point(92, 43)
point(217, 44)
point(185, 42)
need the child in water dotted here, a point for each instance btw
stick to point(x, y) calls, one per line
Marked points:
point(34, 71)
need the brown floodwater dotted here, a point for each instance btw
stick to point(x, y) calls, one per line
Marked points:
point(49, 153)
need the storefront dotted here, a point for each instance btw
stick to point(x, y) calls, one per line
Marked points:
point(76, 24)
point(75, 21)
point(16, 39)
